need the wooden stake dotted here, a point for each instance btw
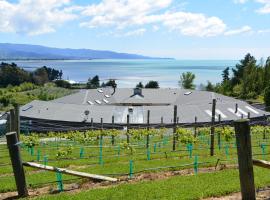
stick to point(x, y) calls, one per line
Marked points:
point(212, 133)
point(219, 122)
point(101, 130)
point(70, 172)
point(261, 163)
point(148, 127)
point(16, 160)
point(92, 123)
point(195, 127)
point(112, 127)
point(128, 129)
point(244, 151)
point(12, 120)
point(17, 121)
point(174, 126)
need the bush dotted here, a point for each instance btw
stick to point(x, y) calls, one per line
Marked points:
point(152, 84)
point(62, 83)
point(267, 98)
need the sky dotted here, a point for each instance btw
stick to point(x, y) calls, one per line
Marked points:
point(182, 29)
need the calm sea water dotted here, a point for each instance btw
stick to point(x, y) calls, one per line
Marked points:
point(130, 72)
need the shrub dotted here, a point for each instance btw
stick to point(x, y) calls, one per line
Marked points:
point(267, 98)
point(62, 83)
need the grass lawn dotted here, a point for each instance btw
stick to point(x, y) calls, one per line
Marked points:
point(180, 187)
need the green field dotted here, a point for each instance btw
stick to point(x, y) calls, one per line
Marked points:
point(28, 92)
point(87, 153)
point(180, 187)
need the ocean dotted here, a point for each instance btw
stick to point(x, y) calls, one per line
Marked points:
point(129, 72)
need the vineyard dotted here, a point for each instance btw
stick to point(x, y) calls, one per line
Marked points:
point(125, 154)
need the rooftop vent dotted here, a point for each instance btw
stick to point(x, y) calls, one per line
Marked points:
point(130, 109)
point(188, 93)
point(137, 91)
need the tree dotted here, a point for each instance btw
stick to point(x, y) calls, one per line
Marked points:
point(110, 83)
point(152, 84)
point(210, 86)
point(226, 74)
point(267, 98)
point(238, 72)
point(139, 85)
point(186, 80)
point(11, 74)
point(40, 76)
point(267, 73)
point(53, 74)
point(93, 83)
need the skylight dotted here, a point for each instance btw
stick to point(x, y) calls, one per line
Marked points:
point(27, 108)
point(252, 110)
point(98, 101)
point(106, 101)
point(90, 102)
point(233, 111)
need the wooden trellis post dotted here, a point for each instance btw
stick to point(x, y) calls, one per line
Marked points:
point(12, 120)
point(92, 123)
point(219, 140)
point(195, 127)
point(17, 165)
point(17, 121)
point(148, 127)
point(244, 152)
point(212, 133)
point(128, 129)
point(174, 126)
point(101, 130)
point(113, 128)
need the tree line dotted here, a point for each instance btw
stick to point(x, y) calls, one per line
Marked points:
point(11, 74)
point(248, 80)
point(94, 83)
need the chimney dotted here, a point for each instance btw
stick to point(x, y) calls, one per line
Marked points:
point(137, 91)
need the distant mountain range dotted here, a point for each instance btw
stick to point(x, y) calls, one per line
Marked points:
point(27, 52)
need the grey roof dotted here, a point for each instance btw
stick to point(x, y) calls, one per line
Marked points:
point(160, 102)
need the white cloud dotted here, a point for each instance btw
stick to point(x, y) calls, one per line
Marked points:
point(122, 13)
point(240, 1)
point(193, 24)
point(127, 13)
point(137, 32)
point(266, 6)
point(244, 29)
point(263, 31)
point(34, 17)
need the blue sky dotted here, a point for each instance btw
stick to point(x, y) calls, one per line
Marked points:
point(183, 29)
